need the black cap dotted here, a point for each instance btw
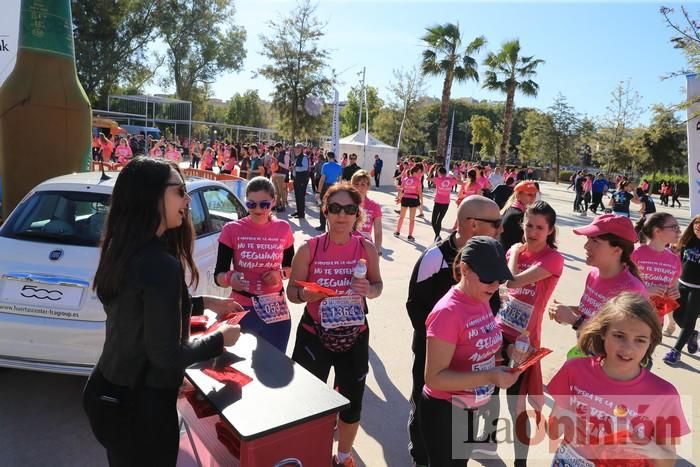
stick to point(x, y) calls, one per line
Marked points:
point(485, 256)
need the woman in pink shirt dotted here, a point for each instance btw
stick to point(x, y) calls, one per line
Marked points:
point(371, 227)
point(255, 256)
point(326, 338)
point(123, 152)
point(536, 266)
point(659, 267)
point(208, 160)
point(443, 188)
point(462, 348)
point(410, 193)
point(609, 408)
point(609, 250)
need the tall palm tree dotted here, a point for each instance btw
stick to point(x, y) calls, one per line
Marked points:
point(444, 56)
point(509, 72)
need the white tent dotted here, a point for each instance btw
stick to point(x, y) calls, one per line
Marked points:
point(355, 143)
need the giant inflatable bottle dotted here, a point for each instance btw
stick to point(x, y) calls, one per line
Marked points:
point(45, 116)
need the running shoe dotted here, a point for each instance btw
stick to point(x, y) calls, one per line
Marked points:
point(349, 462)
point(396, 234)
point(672, 357)
point(420, 215)
point(670, 328)
point(411, 238)
point(693, 343)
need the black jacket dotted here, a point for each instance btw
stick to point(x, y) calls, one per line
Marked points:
point(350, 170)
point(148, 324)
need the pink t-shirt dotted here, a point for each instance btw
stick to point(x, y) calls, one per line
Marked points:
point(257, 248)
point(525, 305)
point(410, 185)
point(657, 268)
point(371, 212)
point(646, 405)
point(471, 327)
point(443, 189)
point(464, 191)
point(332, 265)
point(123, 154)
point(599, 290)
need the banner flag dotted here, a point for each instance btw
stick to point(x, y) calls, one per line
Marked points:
point(448, 151)
point(693, 89)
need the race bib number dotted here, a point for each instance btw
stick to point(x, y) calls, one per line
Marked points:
point(566, 456)
point(515, 314)
point(484, 392)
point(345, 310)
point(271, 308)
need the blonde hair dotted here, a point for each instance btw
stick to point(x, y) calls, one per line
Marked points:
point(359, 176)
point(626, 305)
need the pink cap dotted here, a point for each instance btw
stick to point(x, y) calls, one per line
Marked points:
point(609, 224)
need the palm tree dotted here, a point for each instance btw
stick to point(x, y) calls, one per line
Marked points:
point(444, 56)
point(509, 72)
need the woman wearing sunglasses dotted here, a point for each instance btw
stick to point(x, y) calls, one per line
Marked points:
point(255, 254)
point(463, 343)
point(333, 331)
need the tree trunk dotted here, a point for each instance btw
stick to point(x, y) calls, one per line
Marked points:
point(442, 120)
point(507, 124)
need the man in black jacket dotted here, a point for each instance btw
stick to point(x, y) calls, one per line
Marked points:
point(431, 279)
point(350, 170)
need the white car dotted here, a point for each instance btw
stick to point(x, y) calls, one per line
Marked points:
point(50, 318)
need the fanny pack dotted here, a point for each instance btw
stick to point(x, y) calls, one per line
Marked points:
point(340, 339)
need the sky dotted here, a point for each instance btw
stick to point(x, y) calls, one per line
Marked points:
point(587, 47)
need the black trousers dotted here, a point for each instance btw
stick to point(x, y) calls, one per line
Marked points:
point(376, 178)
point(686, 316)
point(301, 181)
point(439, 211)
point(416, 444)
point(136, 427)
point(321, 216)
point(597, 202)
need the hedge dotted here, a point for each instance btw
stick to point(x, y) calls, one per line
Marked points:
point(682, 181)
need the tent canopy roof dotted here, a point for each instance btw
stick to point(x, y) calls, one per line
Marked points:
point(358, 139)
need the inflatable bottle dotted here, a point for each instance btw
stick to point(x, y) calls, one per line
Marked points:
point(45, 116)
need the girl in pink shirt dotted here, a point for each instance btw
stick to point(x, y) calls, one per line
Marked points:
point(326, 337)
point(443, 188)
point(659, 267)
point(609, 250)
point(255, 255)
point(208, 160)
point(123, 152)
point(463, 345)
point(609, 408)
point(410, 193)
point(536, 266)
point(371, 227)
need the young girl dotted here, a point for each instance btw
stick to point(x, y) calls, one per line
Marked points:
point(609, 250)
point(659, 267)
point(536, 266)
point(462, 345)
point(443, 188)
point(410, 194)
point(262, 248)
point(610, 392)
point(689, 286)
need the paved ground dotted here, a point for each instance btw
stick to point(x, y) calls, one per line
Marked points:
point(42, 423)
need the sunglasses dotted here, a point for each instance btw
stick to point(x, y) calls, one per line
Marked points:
point(675, 227)
point(182, 190)
point(485, 282)
point(349, 209)
point(496, 223)
point(263, 204)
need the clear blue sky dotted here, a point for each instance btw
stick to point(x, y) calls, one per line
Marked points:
point(588, 47)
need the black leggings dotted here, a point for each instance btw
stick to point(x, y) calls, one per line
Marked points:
point(439, 211)
point(351, 367)
point(687, 314)
point(439, 428)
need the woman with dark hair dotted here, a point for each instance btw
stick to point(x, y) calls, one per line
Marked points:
point(325, 337)
point(620, 200)
point(255, 255)
point(536, 266)
point(130, 398)
point(689, 287)
point(443, 188)
point(609, 247)
point(513, 212)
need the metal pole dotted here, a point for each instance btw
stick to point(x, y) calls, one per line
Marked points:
point(362, 88)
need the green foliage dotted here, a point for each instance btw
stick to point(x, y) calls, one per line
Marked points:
point(444, 57)
point(349, 114)
point(657, 178)
point(537, 138)
point(565, 175)
point(110, 46)
point(202, 42)
point(622, 113)
point(296, 66)
point(483, 133)
point(246, 110)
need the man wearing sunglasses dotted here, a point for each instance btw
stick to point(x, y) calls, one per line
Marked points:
point(431, 279)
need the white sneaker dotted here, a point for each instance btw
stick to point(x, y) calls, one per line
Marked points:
point(670, 328)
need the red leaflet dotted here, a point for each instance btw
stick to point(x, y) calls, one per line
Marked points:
point(228, 375)
point(534, 357)
point(314, 287)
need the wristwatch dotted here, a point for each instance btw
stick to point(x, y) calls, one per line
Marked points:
point(577, 324)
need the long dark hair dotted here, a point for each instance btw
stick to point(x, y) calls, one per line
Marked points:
point(688, 233)
point(135, 214)
point(646, 225)
point(543, 208)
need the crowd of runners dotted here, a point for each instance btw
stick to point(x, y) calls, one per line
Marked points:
point(474, 297)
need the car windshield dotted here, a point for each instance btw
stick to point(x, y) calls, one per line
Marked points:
point(61, 217)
